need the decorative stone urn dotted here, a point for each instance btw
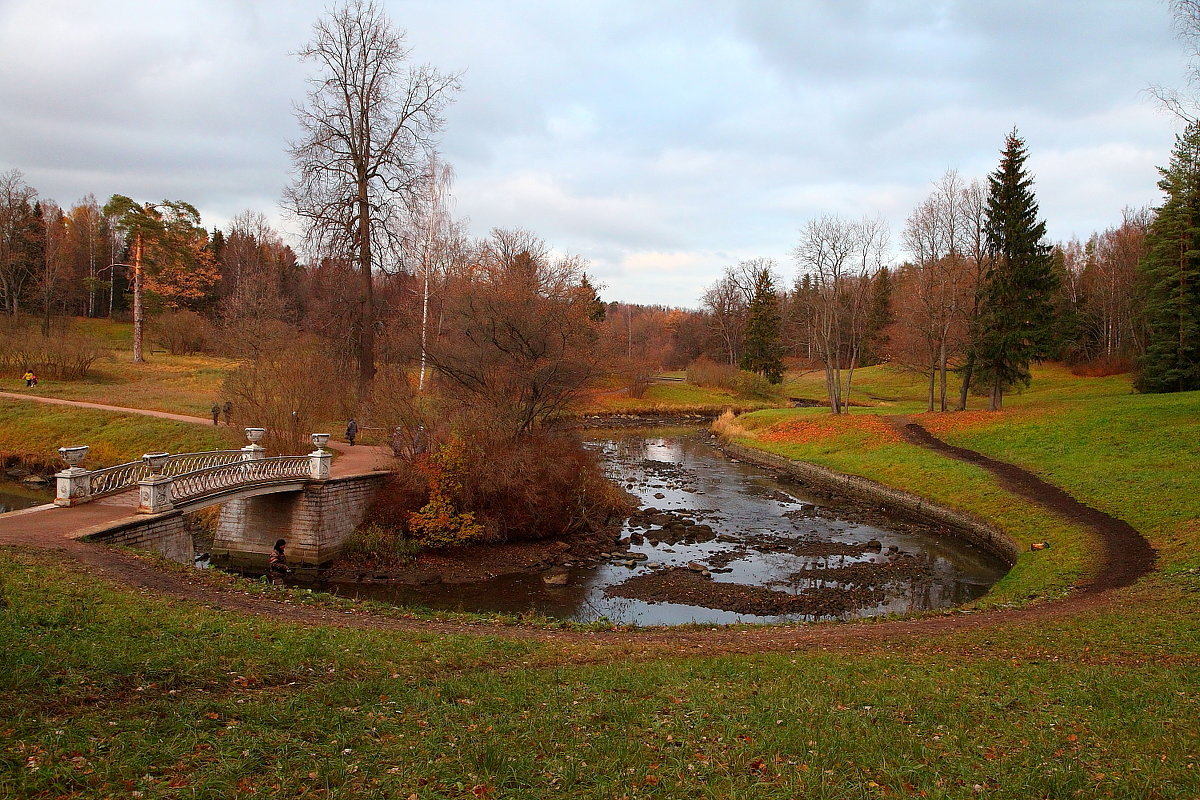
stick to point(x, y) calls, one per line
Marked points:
point(156, 462)
point(73, 484)
point(254, 450)
point(74, 455)
point(319, 459)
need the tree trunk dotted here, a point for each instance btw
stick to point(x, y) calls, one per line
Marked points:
point(366, 299)
point(997, 399)
point(968, 368)
point(138, 311)
point(942, 374)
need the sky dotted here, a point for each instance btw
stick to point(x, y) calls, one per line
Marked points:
point(662, 140)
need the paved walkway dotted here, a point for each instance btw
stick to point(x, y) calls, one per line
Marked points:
point(50, 526)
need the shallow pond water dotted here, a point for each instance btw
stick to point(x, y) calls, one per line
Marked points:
point(15, 496)
point(718, 527)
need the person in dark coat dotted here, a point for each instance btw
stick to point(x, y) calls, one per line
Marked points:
point(228, 411)
point(351, 431)
point(277, 564)
point(216, 414)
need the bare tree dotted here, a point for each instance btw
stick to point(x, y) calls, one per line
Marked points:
point(18, 233)
point(369, 123)
point(839, 256)
point(727, 304)
point(937, 288)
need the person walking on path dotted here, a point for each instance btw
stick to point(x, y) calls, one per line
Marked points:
point(228, 411)
point(351, 431)
point(216, 414)
point(29, 378)
point(277, 564)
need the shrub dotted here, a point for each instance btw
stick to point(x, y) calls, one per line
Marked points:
point(66, 355)
point(181, 333)
point(752, 385)
point(1103, 367)
point(490, 487)
point(706, 372)
point(439, 523)
point(378, 545)
point(287, 390)
point(727, 426)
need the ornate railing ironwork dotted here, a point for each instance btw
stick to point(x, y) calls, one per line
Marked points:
point(190, 462)
point(121, 477)
point(200, 482)
point(111, 480)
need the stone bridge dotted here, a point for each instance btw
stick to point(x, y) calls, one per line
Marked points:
point(261, 499)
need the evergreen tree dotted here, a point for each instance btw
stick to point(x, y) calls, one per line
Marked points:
point(763, 352)
point(1170, 275)
point(1015, 325)
point(879, 317)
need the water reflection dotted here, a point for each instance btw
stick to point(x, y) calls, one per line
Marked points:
point(15, 496)
point(702, 511)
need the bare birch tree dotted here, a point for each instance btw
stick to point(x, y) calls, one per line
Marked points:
point(839, 256)
point(370, 121)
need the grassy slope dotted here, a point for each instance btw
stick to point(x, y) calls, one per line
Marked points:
point(672, 398)
point(177, 384)
point(115, 438)
point(109, 691)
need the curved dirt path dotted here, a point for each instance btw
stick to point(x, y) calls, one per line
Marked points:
point(1126, 554)
point(1126, 557)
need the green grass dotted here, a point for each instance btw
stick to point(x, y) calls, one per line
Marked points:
point(676, 398)
point(109, 691)
point(114, 438)
point(176, 384)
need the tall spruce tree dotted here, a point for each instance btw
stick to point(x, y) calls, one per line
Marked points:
point(1170, 275)
point(1015, 321)
point(763, 352)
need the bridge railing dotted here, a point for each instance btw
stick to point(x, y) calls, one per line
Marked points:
point(163, 478)
point(207, 480)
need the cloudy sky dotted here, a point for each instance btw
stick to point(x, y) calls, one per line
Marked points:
point(661, 139)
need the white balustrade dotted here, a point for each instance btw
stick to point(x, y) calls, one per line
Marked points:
point(164, 480)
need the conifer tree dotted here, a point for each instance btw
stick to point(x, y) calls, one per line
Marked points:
point(1170, 275)
point(763, 352)
point(1016, 310)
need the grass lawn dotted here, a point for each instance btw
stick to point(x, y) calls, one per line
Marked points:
point(177, 384)
point(673, 397)
point(37, 430)
point(110, 692)
point(113, 692)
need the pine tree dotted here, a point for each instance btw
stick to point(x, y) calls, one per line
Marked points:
point(762, 351)
point(879, 317)
point(1170, 275)
point(1015, 324)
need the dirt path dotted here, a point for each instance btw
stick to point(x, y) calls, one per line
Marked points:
point(1126, 557)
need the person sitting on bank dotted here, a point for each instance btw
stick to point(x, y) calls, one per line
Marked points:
point(277, 564)
point(351, 431)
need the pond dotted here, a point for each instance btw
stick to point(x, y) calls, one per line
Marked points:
point(15, 495)
point(718, 541)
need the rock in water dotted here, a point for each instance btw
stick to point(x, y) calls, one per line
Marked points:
point(556, 576)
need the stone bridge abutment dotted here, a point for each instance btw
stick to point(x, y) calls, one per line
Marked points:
point(314, 516)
